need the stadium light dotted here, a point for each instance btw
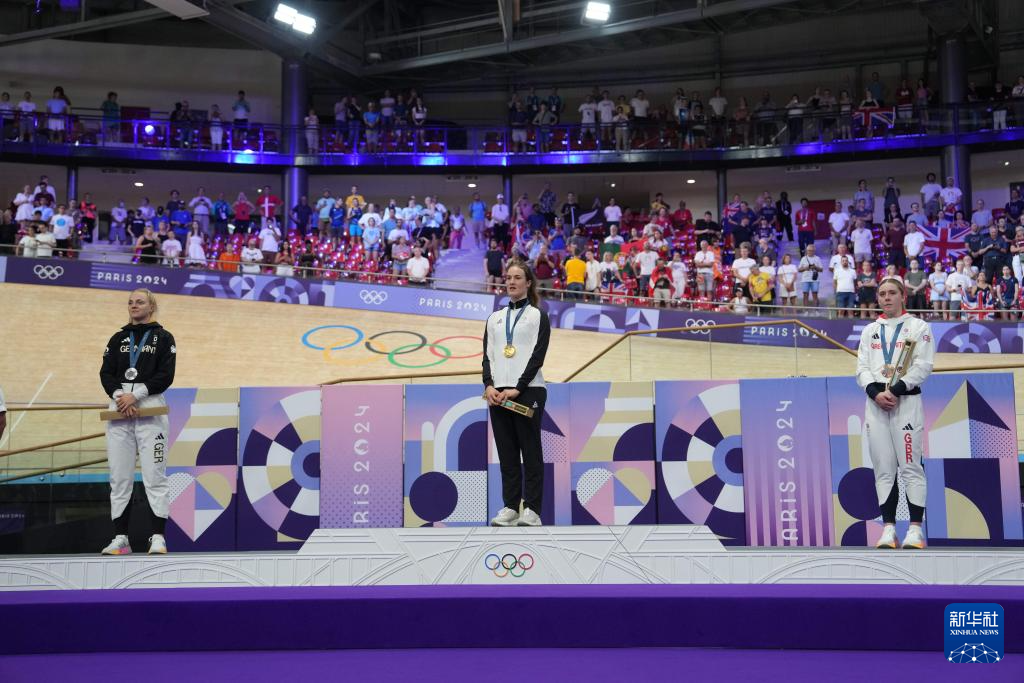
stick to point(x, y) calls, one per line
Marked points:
point(298, 21)
point(597, 12)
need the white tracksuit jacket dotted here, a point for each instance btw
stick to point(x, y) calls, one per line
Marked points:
point(896, 437)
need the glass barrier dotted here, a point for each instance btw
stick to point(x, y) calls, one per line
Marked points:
point(759, 128)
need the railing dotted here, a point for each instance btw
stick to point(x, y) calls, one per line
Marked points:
point(386, 276)
point(769, 128)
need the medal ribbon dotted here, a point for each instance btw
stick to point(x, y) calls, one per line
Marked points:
point(135, 351)
point(508, 320)
point(889, 350)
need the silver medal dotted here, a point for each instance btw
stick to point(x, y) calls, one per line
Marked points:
point(130, 374)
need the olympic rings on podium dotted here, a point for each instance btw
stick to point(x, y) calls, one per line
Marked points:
point(508, 563)
point(314, 339)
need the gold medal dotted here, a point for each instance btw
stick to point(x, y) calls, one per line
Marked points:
point(510, 350)
point(887, 370)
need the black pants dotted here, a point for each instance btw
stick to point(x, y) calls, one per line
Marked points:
point(516, 434)
point(502, 235)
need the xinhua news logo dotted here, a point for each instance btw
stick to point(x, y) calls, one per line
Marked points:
point(974, 633)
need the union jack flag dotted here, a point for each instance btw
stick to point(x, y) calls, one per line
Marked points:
point(878, 116)
point(943, 244)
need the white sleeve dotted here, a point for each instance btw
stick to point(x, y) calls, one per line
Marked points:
point(140, 392)
point(924, 355)
point(864, 374)
point(3, 406)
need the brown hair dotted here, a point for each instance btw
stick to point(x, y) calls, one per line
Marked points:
point(894, 280)
point(531, 279)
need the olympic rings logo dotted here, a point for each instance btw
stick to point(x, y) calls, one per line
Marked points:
point(374, 297)
point(508, 564)
point(353, 337)
point(48, 272)
point(693, 322)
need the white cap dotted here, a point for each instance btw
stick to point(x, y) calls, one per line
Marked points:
point(501, 196)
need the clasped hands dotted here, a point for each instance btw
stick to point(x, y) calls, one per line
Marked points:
point(886, 400)
point(496, 398)
point(127, 404)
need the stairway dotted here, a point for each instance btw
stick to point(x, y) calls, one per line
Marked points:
point(461, 269)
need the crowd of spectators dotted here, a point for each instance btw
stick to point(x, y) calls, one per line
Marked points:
point(761, 254)
point(396, 121)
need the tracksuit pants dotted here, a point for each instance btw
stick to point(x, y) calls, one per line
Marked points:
point(896, 445)
point(144, 438)
point(520, 452)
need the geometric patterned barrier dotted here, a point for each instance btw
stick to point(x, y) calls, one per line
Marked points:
point(245, 464)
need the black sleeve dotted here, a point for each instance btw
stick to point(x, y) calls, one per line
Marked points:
point(166, 359)
point(898, 388)
point(488, 379)
point(540, 350)
point(108, 371)
point(874, 389)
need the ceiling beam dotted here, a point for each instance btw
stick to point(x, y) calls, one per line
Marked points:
point(582, 34)
point(88, 26)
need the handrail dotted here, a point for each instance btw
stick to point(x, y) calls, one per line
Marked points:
point(53, 470)
point(52, 444)
point(90, 406)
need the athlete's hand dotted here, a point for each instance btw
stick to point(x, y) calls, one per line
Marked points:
point(510, 395)
point(125, 400)
point(886, 400)
point(493, 396)
point(131, 411)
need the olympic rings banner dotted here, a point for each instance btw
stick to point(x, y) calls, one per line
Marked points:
point(950, 337)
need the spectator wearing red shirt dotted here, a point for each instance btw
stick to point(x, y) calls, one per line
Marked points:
point(243, 209)
point(88, 209)
point(267, 205)
point(804, 220)
point(682, 216)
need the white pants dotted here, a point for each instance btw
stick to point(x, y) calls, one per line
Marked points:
point(1018, 272)
point(896, 443)
point(145, 438)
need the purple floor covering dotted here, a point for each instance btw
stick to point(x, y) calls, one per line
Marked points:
point(799, 617)
point(503, 665)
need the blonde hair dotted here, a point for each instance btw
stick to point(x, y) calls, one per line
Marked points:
point(150, 297)
point(893, 280)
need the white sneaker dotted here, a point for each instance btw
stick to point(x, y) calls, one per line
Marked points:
point(505, 517)
point(157, 545)
point(914, 540)
point(888, 539)
point(529, 518)
point(119, 546)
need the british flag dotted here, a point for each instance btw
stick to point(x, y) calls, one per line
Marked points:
point(877, 117)
point(945, 243)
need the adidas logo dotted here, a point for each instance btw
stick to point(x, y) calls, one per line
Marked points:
point(908, 428)
point(126, 340)
point(874, 336)
point(535, 405)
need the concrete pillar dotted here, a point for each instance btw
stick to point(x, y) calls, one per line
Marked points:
point(721, 176)
point(294, 98)
point(506, 185)
point(72, 183)
point(956, 159)
point(295, 181)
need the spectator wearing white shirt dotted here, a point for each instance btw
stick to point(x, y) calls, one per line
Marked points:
point(839, 223)
point(201, 205)
point(24, 203)
point(171, 249)
point(27, 118)
point(270, 237)
point(861, 238)
point(45, 242)
point(646, 260)
point(418, 267)
point(704, 262)
point(58, 108)
point(251, 258)
point(371, 214)
point(939, 296)
point(913, 242)
point(612, 213)
point(592, 273)
point(786, 278)
point(118, 218)
point(956, 284)
point(951, 197)
point(842, 251)
point(845, 278)
point(62, 224)
point(679, 276)
point(741, 269)
point(930, 195)
point(810, 270)
point(499, 223)
point(588, 118)
point(27, 244)
point(981, 216)
point(45, 187)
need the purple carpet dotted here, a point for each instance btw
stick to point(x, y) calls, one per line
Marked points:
point(796, 617)
point(619, 665)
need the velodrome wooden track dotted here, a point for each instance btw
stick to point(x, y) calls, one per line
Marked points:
point(53, 338)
